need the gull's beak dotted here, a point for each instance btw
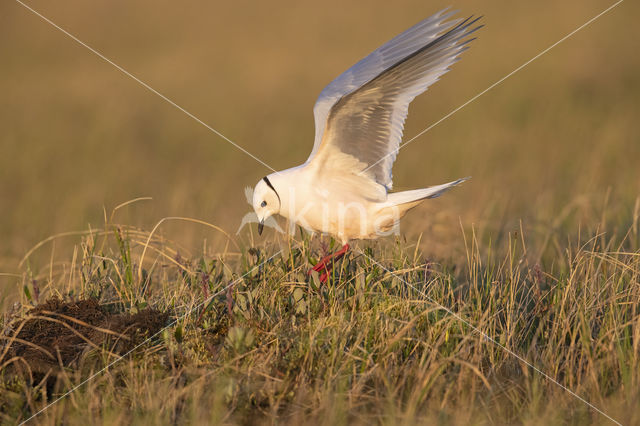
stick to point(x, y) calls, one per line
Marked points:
point(260, 227)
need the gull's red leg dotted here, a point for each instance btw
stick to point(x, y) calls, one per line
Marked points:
point(327, 263)
point(336, 256)
point(322, 264)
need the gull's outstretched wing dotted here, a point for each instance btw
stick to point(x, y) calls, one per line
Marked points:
point(361, 113)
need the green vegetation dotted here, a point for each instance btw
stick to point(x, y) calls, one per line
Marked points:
point(393, 337)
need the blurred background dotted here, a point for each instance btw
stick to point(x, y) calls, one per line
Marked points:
point(556, 145)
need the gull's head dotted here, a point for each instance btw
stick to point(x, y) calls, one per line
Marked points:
point(266, 201)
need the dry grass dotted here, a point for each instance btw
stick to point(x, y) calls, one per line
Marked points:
point(378, 343)
point(540, 250)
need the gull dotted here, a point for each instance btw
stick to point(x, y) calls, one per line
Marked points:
point(343, 189)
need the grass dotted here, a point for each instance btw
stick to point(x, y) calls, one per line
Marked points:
point(539, 250)
point(393, 337)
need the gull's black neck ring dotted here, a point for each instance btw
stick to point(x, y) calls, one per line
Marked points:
point(266, 180)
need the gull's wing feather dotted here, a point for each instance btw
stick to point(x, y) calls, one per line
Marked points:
point(373, 64)
point(366, 121)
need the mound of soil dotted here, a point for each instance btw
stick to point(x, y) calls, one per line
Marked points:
point(55, 334)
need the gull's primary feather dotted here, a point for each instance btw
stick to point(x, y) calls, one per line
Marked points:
point(373, 64)
point(370, 101)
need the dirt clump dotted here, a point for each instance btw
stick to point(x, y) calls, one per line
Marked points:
point(56, 334)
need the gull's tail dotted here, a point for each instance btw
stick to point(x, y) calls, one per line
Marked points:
point(410, 199)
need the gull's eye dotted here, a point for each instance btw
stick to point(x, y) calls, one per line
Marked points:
point(264, 203)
